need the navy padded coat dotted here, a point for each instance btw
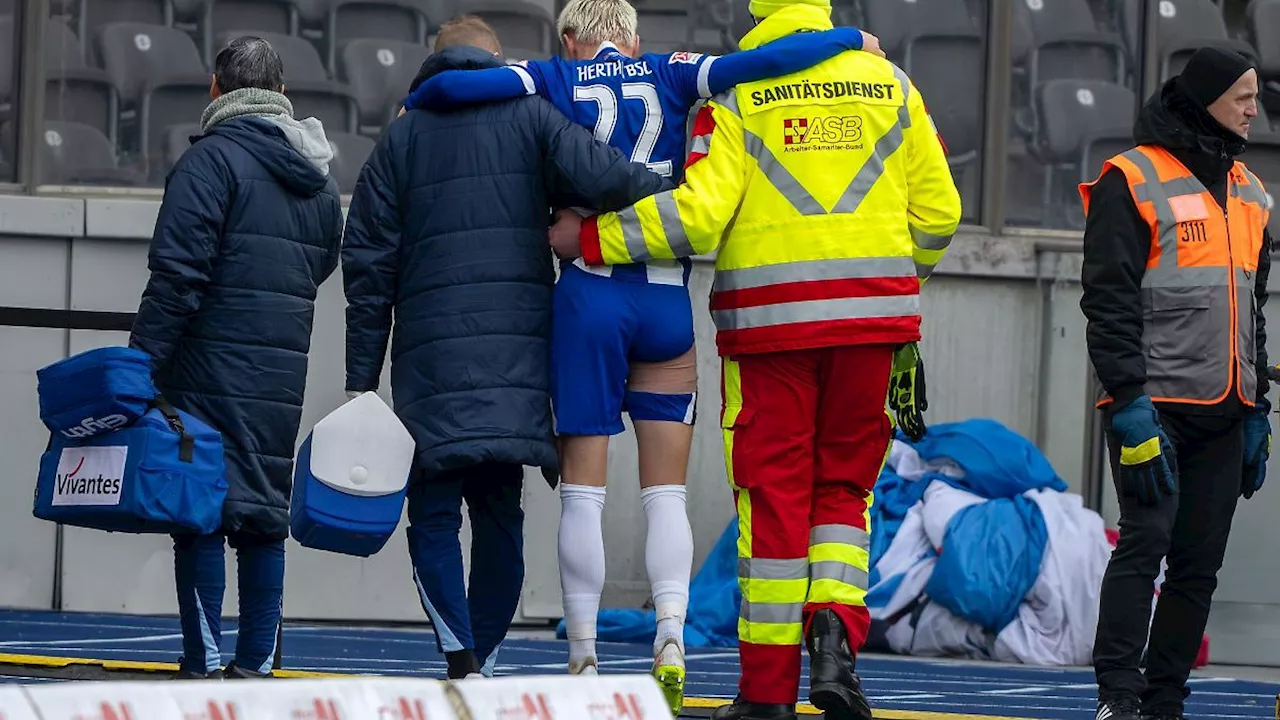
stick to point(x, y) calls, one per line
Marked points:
point(247, 232)
point(447, 240)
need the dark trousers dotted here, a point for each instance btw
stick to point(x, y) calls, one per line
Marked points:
point(200, 573)
point(1191, 529)
point(476, 619)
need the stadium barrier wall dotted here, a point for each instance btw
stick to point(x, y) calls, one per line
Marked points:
point(1004, 338)
point(611, 697)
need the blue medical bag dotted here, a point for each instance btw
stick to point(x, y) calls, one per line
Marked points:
point(165, 473)
point(350, 479)
point(95, 392)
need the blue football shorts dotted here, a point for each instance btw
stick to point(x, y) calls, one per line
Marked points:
point(601, 325)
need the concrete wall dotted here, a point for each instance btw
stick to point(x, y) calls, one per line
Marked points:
point(1004, 339)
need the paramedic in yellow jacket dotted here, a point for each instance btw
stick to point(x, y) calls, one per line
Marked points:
point(828, 197)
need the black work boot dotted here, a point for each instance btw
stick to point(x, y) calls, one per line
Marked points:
point(1119, 708)
point(740, 709)
point(834, 688)
point(235, 672)
point(462, 663)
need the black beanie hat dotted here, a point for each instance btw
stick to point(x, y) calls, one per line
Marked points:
point(1211, 72)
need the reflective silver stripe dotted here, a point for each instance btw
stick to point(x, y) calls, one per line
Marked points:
point(700, 144)
point(924, 270)
point(1152, 190)
point(633, 234)
point(769, 569)
point(1185, 277)
point(812, 270)
point(728, 100)
point(871, 170)
point(838, 571)
point(904, 112)
point(1250, 194)
point(778, 613)
point(669, 216)
point(1267, 201)
point(780, 177)
point(839, 534)
point(816, 311)
point(925, 241)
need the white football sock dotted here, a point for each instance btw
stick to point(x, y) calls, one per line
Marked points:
point(668, 555)
point(581, 546)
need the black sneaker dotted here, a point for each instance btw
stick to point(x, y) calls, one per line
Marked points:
point(235, 672)
point(1119, 709)
point(740, 709)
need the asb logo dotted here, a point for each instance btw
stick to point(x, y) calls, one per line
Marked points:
point(403, 710)
point(832, 132)
point(90, 476)
point(531, 707)
point(89, 427)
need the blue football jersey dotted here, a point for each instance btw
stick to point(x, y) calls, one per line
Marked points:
point(638, 105)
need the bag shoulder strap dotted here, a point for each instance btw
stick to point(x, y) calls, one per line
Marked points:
point(186, 443)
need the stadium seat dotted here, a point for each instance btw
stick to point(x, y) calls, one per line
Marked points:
point(1078, 117)
point(97, 14)
point(1185, 26)
point(379, 72)
point(161, 80)
point(75, 154)
point(1264, 26)
point(1062, 40)
point(177, 138)
point(75, 92)
point(269, 16)
point(897, 23)
point(349, 155)
point(401, 20)
point(1026, 178)
point(519, 23)
point(307, 83)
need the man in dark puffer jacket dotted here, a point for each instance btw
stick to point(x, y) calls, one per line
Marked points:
point(448, 230)
point(250, 226)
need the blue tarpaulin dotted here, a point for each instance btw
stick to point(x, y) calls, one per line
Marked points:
point(990, 558)
point(1002, 542)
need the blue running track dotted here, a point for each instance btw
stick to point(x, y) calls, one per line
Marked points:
point(936, 687)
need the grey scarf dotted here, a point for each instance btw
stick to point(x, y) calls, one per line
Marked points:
point(306, 136)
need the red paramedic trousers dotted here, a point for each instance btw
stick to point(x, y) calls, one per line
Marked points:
point(805, 436)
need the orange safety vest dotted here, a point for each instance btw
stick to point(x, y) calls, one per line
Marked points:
point(1198, 306)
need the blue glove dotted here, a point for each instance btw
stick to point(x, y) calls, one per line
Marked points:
point(1257, 448)
point(1148, 467)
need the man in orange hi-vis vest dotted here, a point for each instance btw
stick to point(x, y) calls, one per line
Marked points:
point(1176, 259)
point(827, 196)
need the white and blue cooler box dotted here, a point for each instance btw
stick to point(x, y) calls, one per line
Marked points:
point(350, 479)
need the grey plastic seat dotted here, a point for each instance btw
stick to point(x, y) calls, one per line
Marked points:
point(898, 24)
point(76, 154)
point(379, 73)
point(350, 152)
point(1184, 27)
point(75, 92)
point(94, 15)
point(519, 23)
point(400, 20)
point(1264, 26)
point(269, 16)
point(161, 79)
point(1062, 39)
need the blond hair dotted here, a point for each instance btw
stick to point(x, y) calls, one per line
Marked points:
point(468, 30)
point(599, 21)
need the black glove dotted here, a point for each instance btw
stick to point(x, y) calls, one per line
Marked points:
point(907, 392)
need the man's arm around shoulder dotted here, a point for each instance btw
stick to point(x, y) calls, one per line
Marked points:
point(184, 250)
point(581, 171)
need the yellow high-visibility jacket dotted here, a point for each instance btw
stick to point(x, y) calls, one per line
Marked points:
point(826, 192)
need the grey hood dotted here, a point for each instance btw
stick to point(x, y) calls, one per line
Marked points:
point(306, 136)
